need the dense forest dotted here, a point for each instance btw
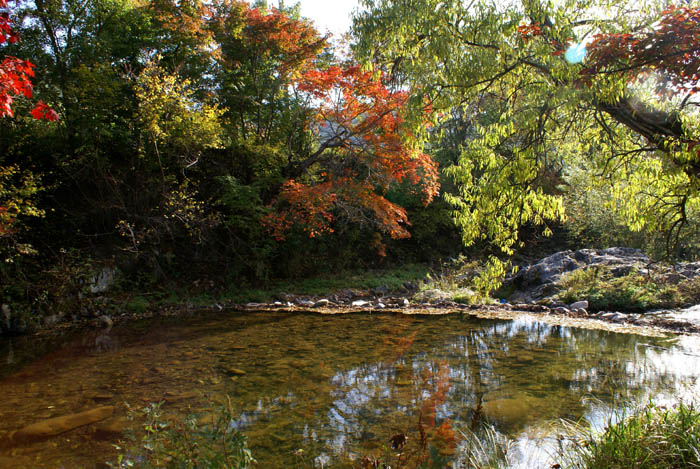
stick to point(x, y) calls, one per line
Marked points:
point(226, 143)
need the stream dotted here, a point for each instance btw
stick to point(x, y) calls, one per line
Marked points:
point(337, 387)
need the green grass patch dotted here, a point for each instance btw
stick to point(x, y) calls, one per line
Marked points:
point(654, 438)
point(633, 292)
point(392, 279)
point(137, 305)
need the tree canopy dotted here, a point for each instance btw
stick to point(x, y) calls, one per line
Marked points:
point(625, 112)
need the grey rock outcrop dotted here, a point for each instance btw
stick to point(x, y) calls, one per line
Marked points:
point(540, 279)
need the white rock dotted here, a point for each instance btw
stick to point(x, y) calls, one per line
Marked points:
point(579, 305)
point(360, 303)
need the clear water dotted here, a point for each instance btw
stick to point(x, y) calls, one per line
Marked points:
point(337, 387)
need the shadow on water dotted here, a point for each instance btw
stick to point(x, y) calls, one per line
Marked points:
point(336, 387)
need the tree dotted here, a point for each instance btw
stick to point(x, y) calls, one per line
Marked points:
point(18, 189)
point(16, 74)
point(628, 109)
point(361, 152)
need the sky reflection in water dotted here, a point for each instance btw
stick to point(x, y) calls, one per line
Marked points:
point(339, 387)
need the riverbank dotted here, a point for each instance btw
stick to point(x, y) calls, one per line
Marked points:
point(615, 289)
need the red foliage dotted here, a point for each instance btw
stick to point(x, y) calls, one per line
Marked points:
point(294, 42)
point(671, 47)
point(42, 111)
point(16, 74)
point(359, 122)
point(528, 31)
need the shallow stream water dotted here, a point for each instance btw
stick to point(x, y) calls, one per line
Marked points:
point(337, 387)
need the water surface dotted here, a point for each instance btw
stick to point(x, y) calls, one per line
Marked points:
point(337, 387)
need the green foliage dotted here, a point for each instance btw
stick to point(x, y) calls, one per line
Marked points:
point(599, 209)
point(188, 443)
point(653, 438)
point(173, 120)
point(18, 194)
point(466, 281)
point(137, 305)
point(633, 292)
point(522, 113)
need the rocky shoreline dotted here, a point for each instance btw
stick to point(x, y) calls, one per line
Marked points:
point(533, 293)
point(654, 323)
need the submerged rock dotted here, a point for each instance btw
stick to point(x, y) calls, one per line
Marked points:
point(55, 426)
point(509, 411)
point(234, 371)
point(111, 427)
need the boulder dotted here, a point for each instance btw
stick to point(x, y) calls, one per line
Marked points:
point(579, 305)
point(541, 279)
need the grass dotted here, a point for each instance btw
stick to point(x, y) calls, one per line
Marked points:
point(392, 279)
point(653, 438)
point(633, 292)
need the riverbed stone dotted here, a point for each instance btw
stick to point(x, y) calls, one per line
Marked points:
point(234, 371)
point(57, 425)
point(111, 427)
point(360, 303)
point(510, 411)
point(171, 397)
point(579, 305)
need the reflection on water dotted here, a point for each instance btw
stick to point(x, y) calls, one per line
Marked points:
point(338, 387)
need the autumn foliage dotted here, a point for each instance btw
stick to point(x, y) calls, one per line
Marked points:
point(293, 43)
point(16, 74)
point(671, 48)
point(363, 152)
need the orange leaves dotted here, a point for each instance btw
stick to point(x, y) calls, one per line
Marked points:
point(671, 47)
point(366, 118)
point(310, 207)
point(528, 31)
point(363, 151)
point(304, 205)
point(293, 43)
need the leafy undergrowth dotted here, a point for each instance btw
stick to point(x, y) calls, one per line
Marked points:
point(654, 438)
point(462, 281)
point(633, 292)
